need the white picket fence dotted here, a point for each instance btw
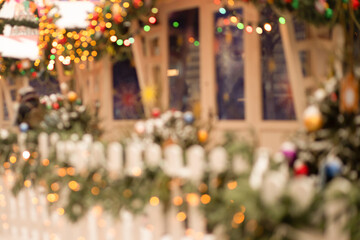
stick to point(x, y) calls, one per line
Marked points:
point(27, 217)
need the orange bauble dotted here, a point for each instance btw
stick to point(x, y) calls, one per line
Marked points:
point(72, 96)
point(203, 136)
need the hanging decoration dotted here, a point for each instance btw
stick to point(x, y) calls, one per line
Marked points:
point(349, 94)
point(16, 67)
point(110, 31)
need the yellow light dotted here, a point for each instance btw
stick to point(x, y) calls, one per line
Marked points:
point(45, 162)
point(154, 201)
point(112, 32)
point(52, 197)
point(91, 31)
point(69, 34)
point(108, 15)
point(95, 191)
point(27, 183)
point(13, 159)
point(62, 172)
point(86, 53)
point(55, 187)
point(73, 185)
point(84, 44)
point(238, 217)
point(234, 19)
point(94, 53)
point(267, 27)
point(83, 39)
point(77, 60)
point(126, 5)
point(93, 22)
point(6, 165)
point(113, 38)
point(203, 187)
point(83, 58)
point(70, 171)
point(205, 199)
point(232, 185)
point(177, 201)
point(93, 43)
point(181, 216)
point(26, 155)
point(192, 199)
point(90, 59)
point(136, 172)
point(108, 25)
point(69, 46)
point(127, 193)
point(60, 211)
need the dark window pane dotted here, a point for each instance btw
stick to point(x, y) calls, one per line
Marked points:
point(5, 107)
point(277, 97)
point(45, 85)
point(229, 53)
point(126, 96)
point(183, 72)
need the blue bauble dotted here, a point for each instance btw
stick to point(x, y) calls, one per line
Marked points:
point(189, 117)
point(332, 169)
point(24, 127)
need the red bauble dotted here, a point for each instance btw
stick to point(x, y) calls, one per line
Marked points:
point(356, 4)
point(34, 74)
point(95, 16)
point(155, 112)
point(117, 18)
point(55, 105)
point(301, 170)
point(62, 40)
point(19, 65)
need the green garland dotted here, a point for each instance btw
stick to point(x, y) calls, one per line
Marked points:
point(317, 12)
point(11, 67)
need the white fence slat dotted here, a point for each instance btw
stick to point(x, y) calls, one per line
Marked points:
point(115, 159)
point(218, 161)
point(97, 155)
point(153, 155)
point(260, 167)
point(43, 141)
point(196, 163)
point(134, 162)
point(174, 160)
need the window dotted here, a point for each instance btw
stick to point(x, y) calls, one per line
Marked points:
point(126, 95)
point(183, 72)
point(229, 60)
point(45, 85)
point(277, 96)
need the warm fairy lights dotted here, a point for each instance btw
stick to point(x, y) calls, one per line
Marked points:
point(102, 34)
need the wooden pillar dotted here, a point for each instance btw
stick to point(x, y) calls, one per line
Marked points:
point(293, 66)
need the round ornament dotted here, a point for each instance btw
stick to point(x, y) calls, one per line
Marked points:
point(56, 105)
point(188, 117)
point(140, 127)
point(288, 149)
point(24, 127)
point(333, 167)
point(300, 169)
point(72, 96)
point(202, 135)
point(156, 112)
point(313, 118)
